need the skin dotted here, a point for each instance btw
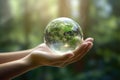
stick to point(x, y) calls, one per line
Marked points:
point(16, 63)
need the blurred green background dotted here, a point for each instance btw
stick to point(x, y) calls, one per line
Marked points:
point(22, 24)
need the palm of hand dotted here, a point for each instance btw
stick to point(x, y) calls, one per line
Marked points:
point(44, 56)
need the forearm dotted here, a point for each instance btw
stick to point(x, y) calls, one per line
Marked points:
point(11, 56)
point(12, 69)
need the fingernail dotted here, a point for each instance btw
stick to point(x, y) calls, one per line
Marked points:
point(92, 39)
point(70, 55)
point(90, 43)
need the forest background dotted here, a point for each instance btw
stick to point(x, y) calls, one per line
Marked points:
point(22, 24)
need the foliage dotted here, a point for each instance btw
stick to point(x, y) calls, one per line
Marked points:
point(22, 26)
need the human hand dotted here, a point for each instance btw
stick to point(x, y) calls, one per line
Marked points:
point(43, 56)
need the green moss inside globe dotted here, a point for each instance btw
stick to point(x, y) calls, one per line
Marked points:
point(63, 35)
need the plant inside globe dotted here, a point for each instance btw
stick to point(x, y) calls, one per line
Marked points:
point(63, 35)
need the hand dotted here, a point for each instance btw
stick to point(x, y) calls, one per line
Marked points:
point(43, 56)
point(80, 51)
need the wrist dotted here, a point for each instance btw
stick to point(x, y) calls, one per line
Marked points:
point(30, 62)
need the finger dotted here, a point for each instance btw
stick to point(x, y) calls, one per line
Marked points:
point(62, 64)
point(80, 48)
point(63, 57)
point(81, 55)
point(89, 39)
point(57, 64)
point(77, 53)
point(83, 47)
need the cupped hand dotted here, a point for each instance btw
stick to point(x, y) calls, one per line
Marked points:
point(42, 55)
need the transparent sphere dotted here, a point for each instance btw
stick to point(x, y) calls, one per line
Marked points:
point(63, 35)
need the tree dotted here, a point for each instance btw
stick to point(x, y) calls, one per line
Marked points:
point(64, 8)
point(84, 15)
point(5, 25)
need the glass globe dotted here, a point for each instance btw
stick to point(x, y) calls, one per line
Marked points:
point(63, 35)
